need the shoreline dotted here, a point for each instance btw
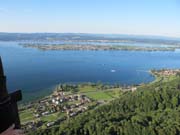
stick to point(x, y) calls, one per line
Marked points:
point(49, 91)
point(69, 100)
point(62, 47)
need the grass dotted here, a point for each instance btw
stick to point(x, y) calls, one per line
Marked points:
point(26, 115)
point(99, 95)
point(90, 91)
point(87, 88)
point(52, 117)
point(115, 93)
point(95, 93)
point(103, 94)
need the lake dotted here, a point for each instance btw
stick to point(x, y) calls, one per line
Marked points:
point(36, 72)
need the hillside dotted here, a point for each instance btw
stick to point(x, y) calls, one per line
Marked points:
point(152, 109)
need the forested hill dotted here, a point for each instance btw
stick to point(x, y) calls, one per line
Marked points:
point(154, 109)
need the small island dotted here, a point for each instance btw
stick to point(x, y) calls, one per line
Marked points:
point(75, 47)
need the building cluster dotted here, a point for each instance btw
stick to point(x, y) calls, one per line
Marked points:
point(168, 72)
point(130, 88)
point(58, 102)
point(31, 125)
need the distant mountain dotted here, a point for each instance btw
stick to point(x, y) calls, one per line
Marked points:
point(85, 36)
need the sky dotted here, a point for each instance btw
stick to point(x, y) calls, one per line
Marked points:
point(136, 17)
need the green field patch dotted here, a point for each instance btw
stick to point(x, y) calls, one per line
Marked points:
point(52, 117)
point(99, 95)
point(26, 115)
point(115, 93)
point(87, 88)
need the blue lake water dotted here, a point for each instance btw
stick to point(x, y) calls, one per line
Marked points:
point(36, 72)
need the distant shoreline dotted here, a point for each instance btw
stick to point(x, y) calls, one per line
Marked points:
point(46, 47)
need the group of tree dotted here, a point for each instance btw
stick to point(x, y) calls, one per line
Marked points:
point(148, 111)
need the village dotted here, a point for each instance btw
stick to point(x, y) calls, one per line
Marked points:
point(68, 105)
point(166, 72)
point(70, 100)
point(67, 101)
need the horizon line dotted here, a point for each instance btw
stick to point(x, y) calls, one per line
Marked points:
point(146, 35)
